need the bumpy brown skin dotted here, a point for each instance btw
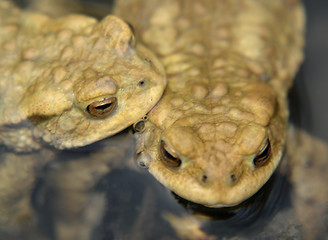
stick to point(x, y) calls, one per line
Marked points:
point(52, 69)
point(229, 66)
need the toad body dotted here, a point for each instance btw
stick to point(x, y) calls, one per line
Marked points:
point(219, 132)
point(71, 81)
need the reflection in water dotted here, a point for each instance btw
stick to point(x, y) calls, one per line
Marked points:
point(132, 214)
point(66, 198)
point(98, 193)
point(101, 195)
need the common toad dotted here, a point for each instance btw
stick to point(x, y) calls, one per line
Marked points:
point(67, 81)
point(71, 81)
point(220, 129)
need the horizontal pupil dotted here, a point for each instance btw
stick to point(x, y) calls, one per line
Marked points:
point(168, 155)
point(265, 152)
point(262, 158)
point(103, 107)
point(168, 159)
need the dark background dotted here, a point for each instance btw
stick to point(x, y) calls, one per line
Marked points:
point(314, 73)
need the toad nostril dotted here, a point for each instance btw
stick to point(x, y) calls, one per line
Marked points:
point(142, 164)
point(233, 177)
point(142, 82)
point(204, 178)
point(143, 159)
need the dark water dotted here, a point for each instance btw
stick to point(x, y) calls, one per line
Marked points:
point(99, 193)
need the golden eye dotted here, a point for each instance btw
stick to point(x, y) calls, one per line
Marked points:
point(263, 156)
point(168, 157)
point(102, 108)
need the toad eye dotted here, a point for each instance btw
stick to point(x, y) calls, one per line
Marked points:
point(263, 156)
point(168, 157)
point(102, 108)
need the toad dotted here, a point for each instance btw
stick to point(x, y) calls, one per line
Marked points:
point(71, 81)
point(219, 131)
